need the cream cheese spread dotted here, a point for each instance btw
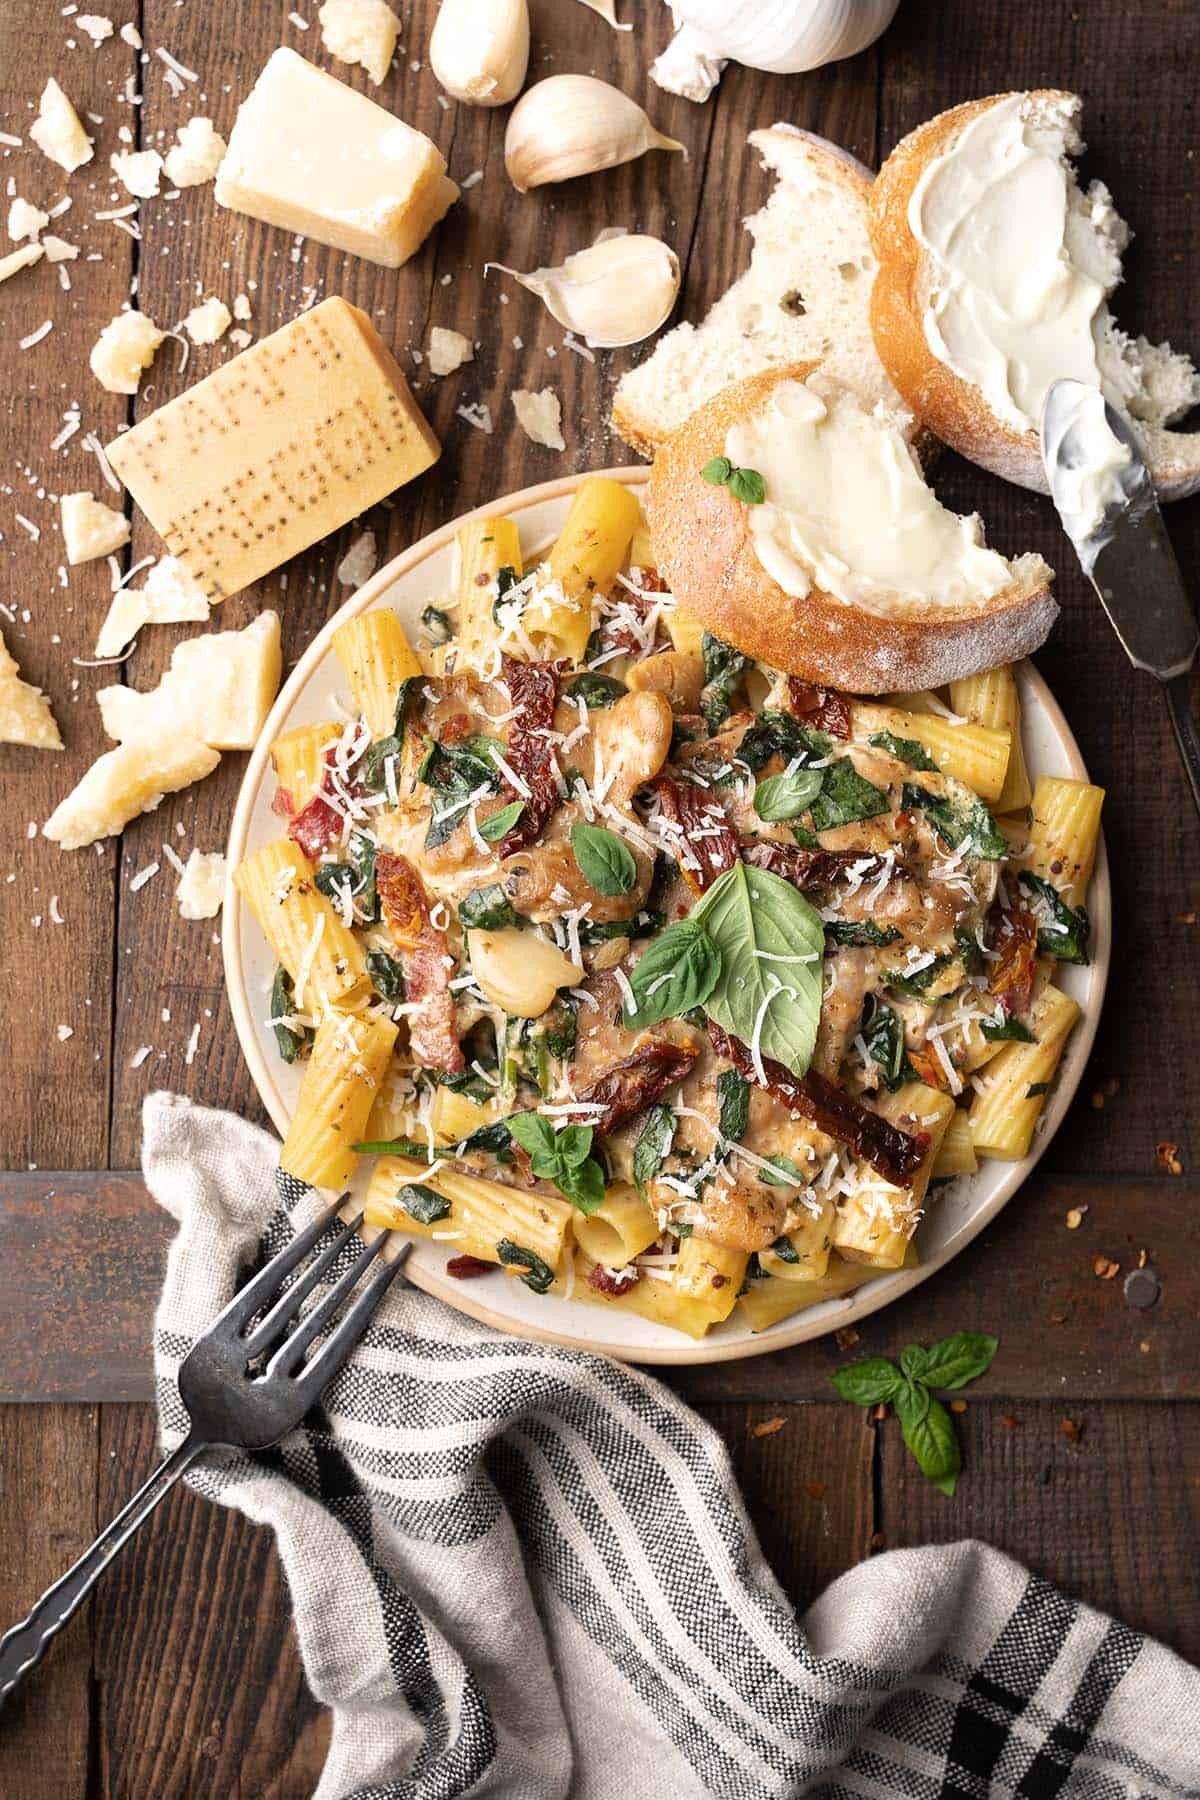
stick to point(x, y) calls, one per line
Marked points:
point(1089, 468)
point(847, 509)
point(1023, 261)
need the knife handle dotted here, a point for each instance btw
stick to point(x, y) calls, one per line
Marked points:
point(1187, 733)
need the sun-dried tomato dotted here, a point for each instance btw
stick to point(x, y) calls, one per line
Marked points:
point(613, 1281)
point(698, 830)
point(423, 958)
point(316, 827)
point(810, 868)
point(929, 1069)
point(825, 709)
point(534, 689)
point(629, 1087)
point(896, 1154)
point(1015, 937)
point(464, 1267)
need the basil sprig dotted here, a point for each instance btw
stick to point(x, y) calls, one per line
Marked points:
point(563, 1157)
point(604, 861)
point(678, 971)
point(502, 822)
point(770, 942)
point(786, 796)
point(746, 485)
point(926, 1424)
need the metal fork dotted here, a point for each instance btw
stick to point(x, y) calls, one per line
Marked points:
point(228, 1403)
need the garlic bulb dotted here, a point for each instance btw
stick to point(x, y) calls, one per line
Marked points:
point(608, 11)
point(479, 49)
point(573, 125)
point(783, 36)
point(617, 292)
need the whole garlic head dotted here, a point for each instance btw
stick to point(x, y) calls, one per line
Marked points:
point(479, 49)
point(573, 125)
point(617, 292)
point(782, 36)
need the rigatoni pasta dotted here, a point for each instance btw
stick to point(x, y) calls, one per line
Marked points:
point(993, 700)
point(342, 1077)
point(378, 660)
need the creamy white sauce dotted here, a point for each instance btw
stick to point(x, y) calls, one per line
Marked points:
point(1023, 261)
point(847, 509)
point(1090, 469)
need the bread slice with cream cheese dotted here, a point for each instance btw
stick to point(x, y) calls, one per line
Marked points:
point(849, 572)
point(803, 296)
point(995, 272)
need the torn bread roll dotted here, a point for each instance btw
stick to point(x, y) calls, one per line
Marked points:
point(995, 270)
point(849, 571)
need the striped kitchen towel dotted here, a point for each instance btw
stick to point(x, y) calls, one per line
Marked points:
point(526, 1573)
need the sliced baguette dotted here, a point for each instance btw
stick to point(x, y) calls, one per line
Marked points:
point(811, 251)
point(704, 549)
point(1151, 384)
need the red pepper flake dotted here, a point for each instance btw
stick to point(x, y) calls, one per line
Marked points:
point(880, 1411)
point(1168, 1158)
point(1072, 1429)
point(1185, 918)
point(816, 1490)
point(846, 1338)
point(768, 1427)
point(464, 1267)
point(958, 1406)
point(1009, 1421)
point(1105, 1268)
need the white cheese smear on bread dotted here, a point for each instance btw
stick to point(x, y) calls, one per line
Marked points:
point(847, 509)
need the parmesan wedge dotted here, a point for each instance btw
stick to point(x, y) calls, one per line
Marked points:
point(125, 782)
point(25, 715)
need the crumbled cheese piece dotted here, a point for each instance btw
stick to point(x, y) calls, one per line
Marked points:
point(58, 249)
point(360, 31)
point(125, 782)
point(448, 350)
point(138, 171)
point(90, 528)
point(241, 306)
point(540, 417)
point(35, 337)
point(96, 26)
point(358, 564)
point(139, 1056)
point(123, 350)
point(202, 888)
point(172, 596)
point(126, 616)
point(243, 339)
point(197, 156)
point(65, 1032)
point(208, 321)
point(478, 414)
point(132, 36)
point(23, 258)
point(57, 130)
point(218, 690)
point(25, 221)
point(25, 715)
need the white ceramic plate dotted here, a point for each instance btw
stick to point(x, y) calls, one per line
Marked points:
point(408, 584)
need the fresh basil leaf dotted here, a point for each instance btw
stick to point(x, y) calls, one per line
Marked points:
point(595, 690)
point(1004, 1031)
point(681, 967)
point(965, 824)
point(790, 1173)
point(913, 1359)
point(535, 1134)
point(653, 1145)
point(584, 1185)
point(561, 1157)
point(604, 861)
point(501, 823)
point(779, 734)
point(603, 931)
point(958, 1359)
point(929, 1433)
point(1063, 930)
point(769, 942)
point(422, 1203)
point(724, 667)
point(868, 1382)
point(748, 486)
point(787, 795)
point(538, 1274)
point(859, 934)
point(289, 1041)
point(785, 1250)
point(883, 1034)
point(908, 750)
point(574, 1144)
point(846, 797)
point(717, 471)
point(387, 976)
point(487, 909)
point(733, 1101)
point(437, 625)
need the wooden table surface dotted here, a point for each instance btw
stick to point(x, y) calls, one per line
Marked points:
point(183, 1679)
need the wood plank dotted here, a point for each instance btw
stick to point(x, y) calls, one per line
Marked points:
point(1121, 60)
point(48, 1504)
point(1075, 1512)
point(84, 1257)
point(200, 1687)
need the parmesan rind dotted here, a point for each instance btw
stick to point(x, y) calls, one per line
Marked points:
point(25, 715)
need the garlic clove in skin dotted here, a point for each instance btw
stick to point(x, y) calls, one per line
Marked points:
point(479, 49)
point(571, 125)
point(608, 12)
point(617, 292)
point(784, 37)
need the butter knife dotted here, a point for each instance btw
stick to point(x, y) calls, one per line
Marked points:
point(1105, 498)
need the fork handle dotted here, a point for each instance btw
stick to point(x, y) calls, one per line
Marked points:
point(22, 1648)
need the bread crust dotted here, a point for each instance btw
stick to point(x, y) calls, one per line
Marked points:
point(705, 551)
point(953, 409)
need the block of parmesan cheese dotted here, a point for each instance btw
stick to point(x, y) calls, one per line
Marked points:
point(278, 447)
point(312, 155)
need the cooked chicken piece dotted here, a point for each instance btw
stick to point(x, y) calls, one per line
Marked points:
point(847, 978)
point(679, 674)
point(545, 881)
point(626, 747)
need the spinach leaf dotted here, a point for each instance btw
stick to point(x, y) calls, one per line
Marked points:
point(538, 1274)
point(723, 669)
point(779, 734)
point(454, 772)
point(387, 976)
point(678, 971)
point(437, 625)
point(604, 861)
point(366, 897)
point(653, 1145)
point(785, 1250)
point(487, 909)
point(733, 1100)
point(563, 1157)
point(501, 823)
point(785, 796)
point(807, 840)
point(908, 750)
point(290, 1041)
point(594, 689)
point(846, 797)
point(1036, 1089)
point(918, 984)
point(790, 1174)
point(746, 485)
point(769, 942)
point(1063, 930)
point(597, 931)
point(1002, 1031)
point(962, 824)
point(883, 1034)
point(422, 1203)
point(331, 880)
point(859, 934)
point(506, 579)
point(372, 771)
